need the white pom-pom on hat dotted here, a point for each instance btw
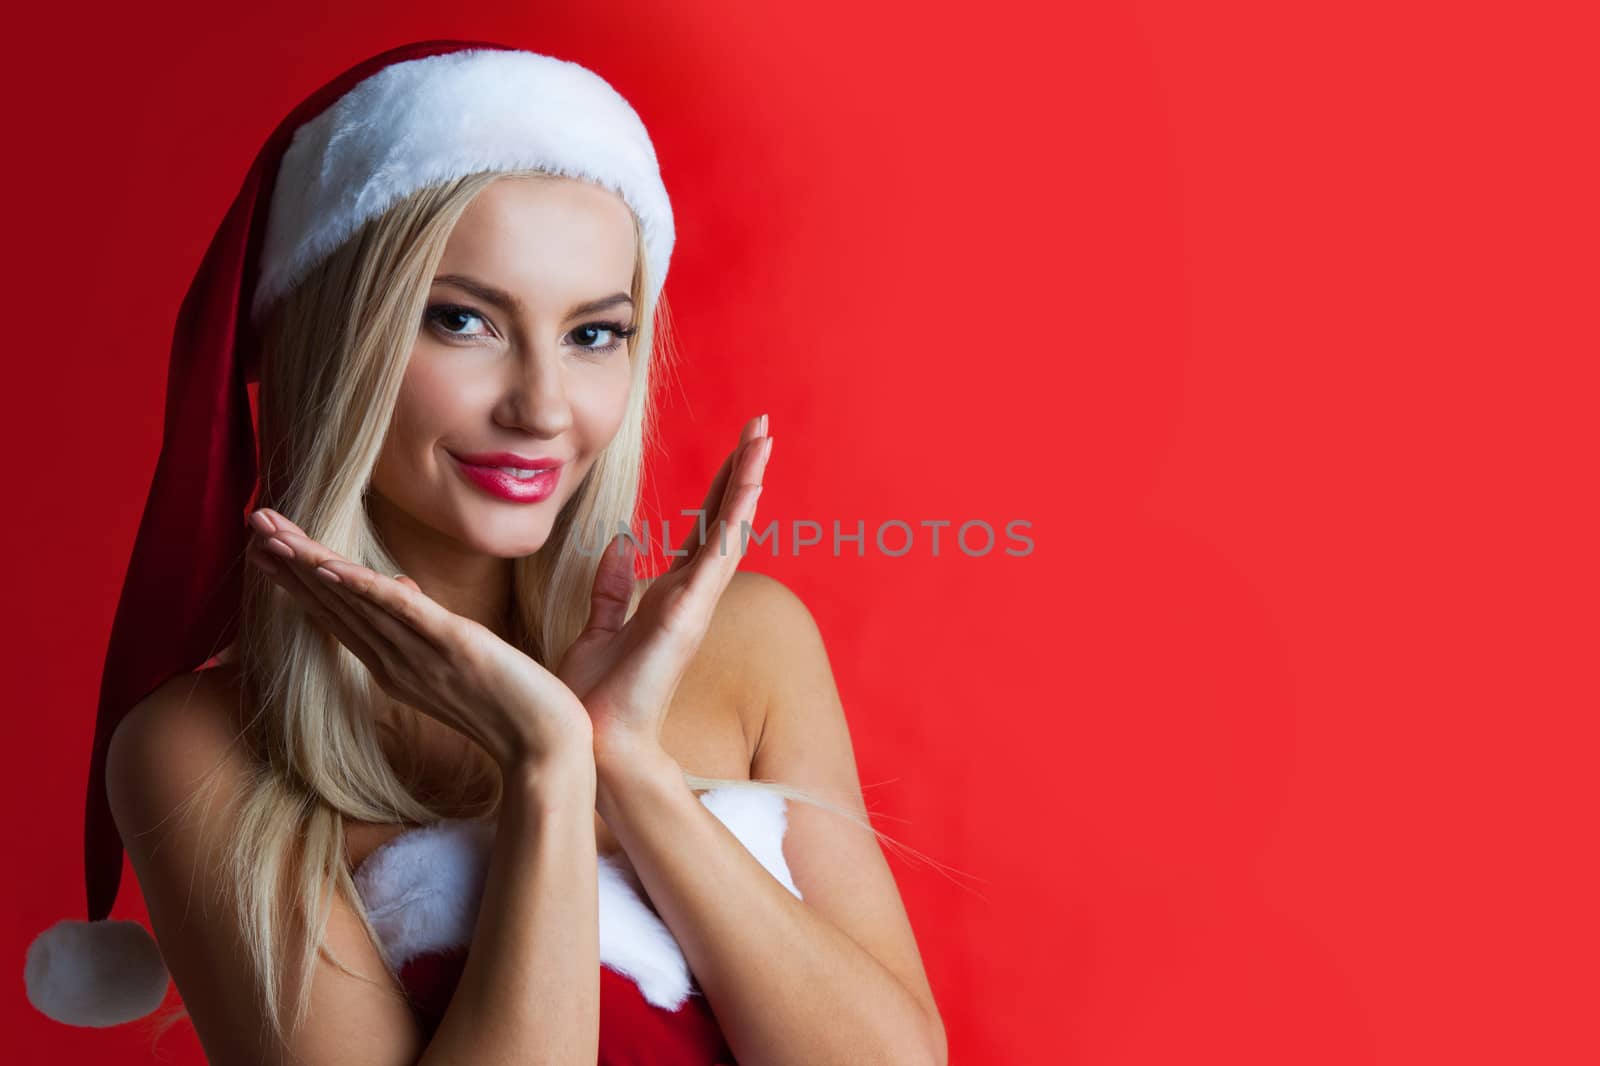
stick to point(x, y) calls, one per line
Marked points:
point(95, 973)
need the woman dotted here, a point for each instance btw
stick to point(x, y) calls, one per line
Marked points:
point(386, 784)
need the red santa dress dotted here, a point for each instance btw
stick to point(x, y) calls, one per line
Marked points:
point(422, 888)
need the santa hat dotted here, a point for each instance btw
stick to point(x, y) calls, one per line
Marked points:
point(410, 118)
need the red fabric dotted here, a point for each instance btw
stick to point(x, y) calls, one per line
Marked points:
point(633, 1031)
point(180, 598)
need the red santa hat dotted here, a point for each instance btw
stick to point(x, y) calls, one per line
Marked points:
point(410, 118)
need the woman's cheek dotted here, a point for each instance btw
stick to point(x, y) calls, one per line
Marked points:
point(602, 401)
point(428, 396)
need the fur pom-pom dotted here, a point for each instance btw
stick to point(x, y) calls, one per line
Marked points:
point(95, 973)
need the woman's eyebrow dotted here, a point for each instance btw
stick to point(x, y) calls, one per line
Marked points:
point(508, 302)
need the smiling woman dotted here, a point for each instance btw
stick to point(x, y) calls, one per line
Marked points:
point(499, 381)
point(460, 787)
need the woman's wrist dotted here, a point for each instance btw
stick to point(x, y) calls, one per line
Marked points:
point(556, 778)
point(540, 740)
point(632, 772)
point(620, 750)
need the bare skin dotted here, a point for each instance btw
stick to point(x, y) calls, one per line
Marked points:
point(710, 731)
point(735, 686)
point(536, 380)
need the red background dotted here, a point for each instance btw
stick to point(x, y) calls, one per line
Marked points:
point(1277, 321)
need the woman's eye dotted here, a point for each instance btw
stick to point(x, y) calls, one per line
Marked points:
point(455, 321)
point(614, 332)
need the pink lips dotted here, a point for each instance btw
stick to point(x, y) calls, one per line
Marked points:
point(481, 471)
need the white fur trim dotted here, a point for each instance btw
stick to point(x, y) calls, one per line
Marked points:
point(95, 973)
point(635, 942)
point(759, 818)
point(422, 890)
point(422, 887)
point(425, 121)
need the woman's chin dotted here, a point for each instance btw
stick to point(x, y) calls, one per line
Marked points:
point(510, 545)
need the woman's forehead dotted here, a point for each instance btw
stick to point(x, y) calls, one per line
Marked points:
point(545, 241)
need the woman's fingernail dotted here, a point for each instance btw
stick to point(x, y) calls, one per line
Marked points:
point(262, 522)
point(280, 548)
point(328, 575)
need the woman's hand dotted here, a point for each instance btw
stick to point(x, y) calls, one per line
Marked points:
point(449, 667)
point(625, 670)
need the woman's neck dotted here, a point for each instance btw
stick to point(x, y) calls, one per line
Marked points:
point(464, 582)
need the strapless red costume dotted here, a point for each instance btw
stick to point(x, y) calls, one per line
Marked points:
point(422, 888)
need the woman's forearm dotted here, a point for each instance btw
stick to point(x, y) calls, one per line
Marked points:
point(787, 986)
point(530, 990)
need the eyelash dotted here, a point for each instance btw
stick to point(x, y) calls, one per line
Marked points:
point(438, 311)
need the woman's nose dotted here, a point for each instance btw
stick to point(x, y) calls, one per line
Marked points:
point(536, 393)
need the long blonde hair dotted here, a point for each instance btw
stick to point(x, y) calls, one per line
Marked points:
point(335, 352)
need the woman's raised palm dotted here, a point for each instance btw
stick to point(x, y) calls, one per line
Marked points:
point(626, 669)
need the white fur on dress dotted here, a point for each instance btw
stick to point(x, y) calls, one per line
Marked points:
point(425, 121)
point(422, 890)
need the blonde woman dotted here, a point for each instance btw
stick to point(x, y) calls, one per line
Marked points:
point(460, 788)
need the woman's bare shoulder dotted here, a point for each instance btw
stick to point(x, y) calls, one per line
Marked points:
point(204, 701)
point(186, 731)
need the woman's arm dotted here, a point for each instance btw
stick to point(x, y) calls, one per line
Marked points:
point(835, 978)
point(530, 991)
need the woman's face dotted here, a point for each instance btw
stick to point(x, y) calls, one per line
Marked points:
point(518, 362)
